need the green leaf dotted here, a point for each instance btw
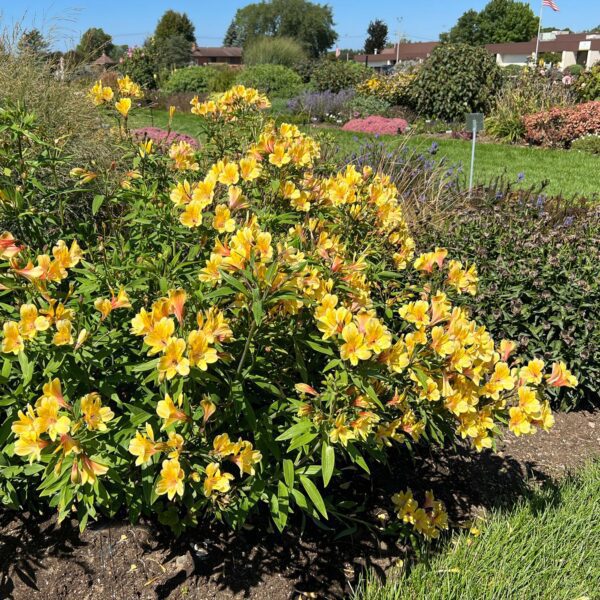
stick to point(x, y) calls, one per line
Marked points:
point(295, 430)
point(97, 203)
point(313, 494)
point(327, 463)
point(26, 368)
point(288, 473)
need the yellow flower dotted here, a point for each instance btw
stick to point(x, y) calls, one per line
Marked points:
point(333, 320)
point(533, 372)
point(49, 421)
point(182, 155)
point(216, 481)
point(173, 362)
point(249, 169)
point(246, 458)
point(519, 422)
point(9, 246)
point(279, 157)
point(441, 343)
point(90, 470)
point(143, 446)
point(29, 444)
point(405, 505)
point(200, 353)
point(377, 338)
point(223, 446)
point(341, 433)
point(354, 348)
point(416, 313)
point(192, 215)
point(101, 94)
point(223, 221)
point(145, 148)
point(94, 414)
point(171, 479)
point(123, 106)
point(561, 376)
point(229, 174)
point(31, 323)
point(12, 340)
point(181, 194)
point(208, 408)
point(167, 411)
point(142, 323)
point(545, 420)
point(528, 401)
point(159, 337)
point(26, 423)
point(63, 335)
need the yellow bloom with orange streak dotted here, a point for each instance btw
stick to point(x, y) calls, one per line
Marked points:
point(106, 306)
point(177, 300)
point(533, 372)
point(561, 376)
point(170, 413)
point(90, 469)
point(171, 479)
point(160, 335)
point(211, 272)
point(215, 481)
point(416, 313)
point(95, 415)
point(506, 349)
point(173, 362)
point(181, 194)
point(199, 351)
point(229, 173)
point(30, 445)
point(101, 94)
point(182, 155)
point(246, 458)
point(9, 246)
point(249, 169)
point(63, 335)
point(12, 341)
point(223, 446)
point(204, 191)
point(426, 262)
point(354, 348)
point(26, 422)
point(143, 447)
point(461, 279)
point(441, 343)
point(519, 422)
point(192, 215)
point(214, 324)
point(279, 157)
point(333, 321)
point(377, 337)
point(340, 433)
point(528, 401)
point(48, 419)
point(222, 221)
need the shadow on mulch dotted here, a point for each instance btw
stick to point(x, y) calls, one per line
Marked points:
point(115, 560)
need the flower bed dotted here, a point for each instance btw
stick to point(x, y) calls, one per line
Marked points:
point(162, 137)
point(376, 124)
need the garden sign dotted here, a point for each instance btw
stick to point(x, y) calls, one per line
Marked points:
point(474, 124)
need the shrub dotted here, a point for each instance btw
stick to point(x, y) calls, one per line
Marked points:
point(559, 127)
point(574, 70)
point(377, 125)
point(393, 89)
point(336, 75)
point(222, 79)
point(275, 80)
point(322, 106)
point(140, 65)
point(189, 79)
point(538, 261)
point(454, 80)
point(589, 144)
point(274, 51)
point(528, 93)
point(364, 106)
point(587, 85)
point(238, 334)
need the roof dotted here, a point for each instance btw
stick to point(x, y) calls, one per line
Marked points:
point(561, 43)
point(104, 60)
point(407, 51)
point(219, 52)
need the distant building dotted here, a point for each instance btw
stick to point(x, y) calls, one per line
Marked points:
point(104, 62)
point(226, 55)
point(409, 51)
point(575, 48)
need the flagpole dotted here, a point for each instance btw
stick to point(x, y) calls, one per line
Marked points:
point(537, 40)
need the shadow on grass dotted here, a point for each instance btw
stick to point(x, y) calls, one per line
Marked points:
point(257, 563)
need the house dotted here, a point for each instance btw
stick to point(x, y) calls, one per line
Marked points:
point(409, 51)
point(575, 49)
point(226, 55)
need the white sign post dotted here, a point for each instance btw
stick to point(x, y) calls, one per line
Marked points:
point(474, 124)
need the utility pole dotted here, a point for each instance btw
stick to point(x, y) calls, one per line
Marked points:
point(399, 19)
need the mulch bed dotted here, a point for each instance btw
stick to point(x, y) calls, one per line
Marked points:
point(40, 559)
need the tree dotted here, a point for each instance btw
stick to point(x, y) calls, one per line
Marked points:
point(32, 41)
point(93, 43)
point(174, 23)
point(377, 33)
point(309, 23)
point(231, 36)
point(499, 21)
point(174, 51)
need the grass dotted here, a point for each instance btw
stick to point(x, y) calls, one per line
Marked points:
point(567, 173)
point(547, 547)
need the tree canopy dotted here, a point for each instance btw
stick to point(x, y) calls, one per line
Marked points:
point(499, 21)
point(309, 23)
point(377, 33)
point(93, 43)
point(34, 42)
point(173, 23)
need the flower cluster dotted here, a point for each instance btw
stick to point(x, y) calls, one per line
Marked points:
point(428, 520)
point(394, 88)
point(377, 125)
point(230, 104)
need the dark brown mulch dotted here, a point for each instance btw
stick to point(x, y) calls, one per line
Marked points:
point(40, 559)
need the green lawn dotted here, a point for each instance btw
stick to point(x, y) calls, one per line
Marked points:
point(546, 548)
point(567, 173)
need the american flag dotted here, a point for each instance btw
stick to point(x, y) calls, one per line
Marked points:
point(551, 4)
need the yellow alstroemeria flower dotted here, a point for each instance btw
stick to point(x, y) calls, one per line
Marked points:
point(223, 221)
point(173, 362)
point(354, 348)
point(63, 335)
point(341, 433)
point(31, 323)
point(143, 447)
point(216, 481)
point(170, 413)
point(171, 479)
point(94, 414)
point(199, 351)
point(123, 106)
point(12, 342)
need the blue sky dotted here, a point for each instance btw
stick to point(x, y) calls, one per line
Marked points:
point(130, 21)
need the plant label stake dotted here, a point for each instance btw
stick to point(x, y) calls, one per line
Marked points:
point(474, 124)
